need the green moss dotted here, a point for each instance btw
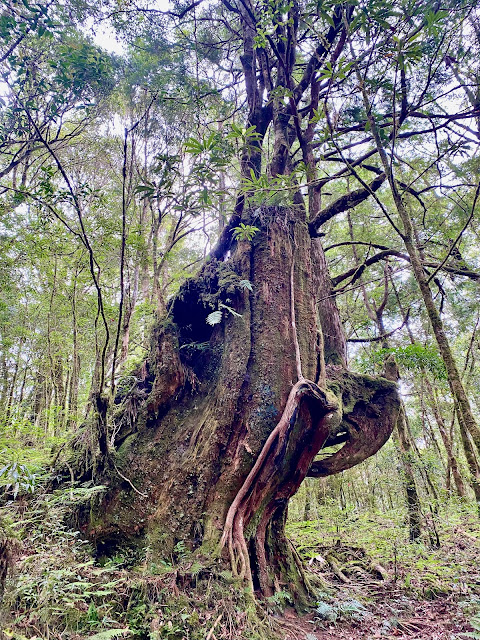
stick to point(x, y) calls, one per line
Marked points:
point(350, 388)
point(125, 449)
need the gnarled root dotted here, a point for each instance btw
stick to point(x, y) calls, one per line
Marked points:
point(368, 419)
point(233, 532)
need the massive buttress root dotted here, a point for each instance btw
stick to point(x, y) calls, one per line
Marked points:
point(222, 425)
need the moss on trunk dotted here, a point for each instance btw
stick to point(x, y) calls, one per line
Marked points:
point(191, 436)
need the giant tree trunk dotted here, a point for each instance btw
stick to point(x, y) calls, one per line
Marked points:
point(224, 422)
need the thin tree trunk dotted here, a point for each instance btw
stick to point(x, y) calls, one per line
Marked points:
point(75, 369)
point(442, 427)
point(400, 434)
point(413, 501)
point(5, 376)
point(471, 458)
point(408, 236)
point(13, 383)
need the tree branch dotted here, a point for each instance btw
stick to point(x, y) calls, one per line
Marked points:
point(348, 201)
point(384, 335)
point(356, 272)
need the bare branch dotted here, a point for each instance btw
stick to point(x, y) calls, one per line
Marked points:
point(348, 201)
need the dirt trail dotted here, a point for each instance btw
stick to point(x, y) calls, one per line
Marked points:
point(376, 610)
point(389, 615)
point(426, 593)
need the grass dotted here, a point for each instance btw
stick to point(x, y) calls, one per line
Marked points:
point(453, 567)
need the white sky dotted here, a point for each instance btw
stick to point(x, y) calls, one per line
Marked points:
point(104, 36)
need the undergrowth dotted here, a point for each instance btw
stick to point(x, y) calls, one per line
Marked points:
point(25, 454)
point(421, 569)
point(58, 589)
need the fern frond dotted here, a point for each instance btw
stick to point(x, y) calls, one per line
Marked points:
point(214, 318)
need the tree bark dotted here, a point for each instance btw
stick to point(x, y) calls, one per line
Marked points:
point(470, 456)
point(224, 423)
point(413, 501)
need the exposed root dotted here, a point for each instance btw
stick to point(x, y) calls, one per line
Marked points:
point(336, 569)
point(298, 358)
point(233, 532)
point(295, 632)
point(276, 436)
point(349, 564)
point(143, 495)
point(210, 633)
point(233, 528)
point(381, 571)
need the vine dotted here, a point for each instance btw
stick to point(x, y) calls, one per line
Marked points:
point(233, 531)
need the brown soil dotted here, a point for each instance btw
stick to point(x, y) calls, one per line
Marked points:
point(389, 613)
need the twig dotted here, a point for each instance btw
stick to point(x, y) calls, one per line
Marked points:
point(210, 633)
point(144, 495)
point(455, 242)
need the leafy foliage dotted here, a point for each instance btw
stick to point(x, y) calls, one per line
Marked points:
point(244, 232)
point(415, 358)
point(349, 609)
point(246, 284)
point(214, 318)
point(17, 479)
point(118, 174)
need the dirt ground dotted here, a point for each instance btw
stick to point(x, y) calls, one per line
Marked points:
point(390, 615)
point(421, 591)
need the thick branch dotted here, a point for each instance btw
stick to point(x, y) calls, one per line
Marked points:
point(320, 53)
point(356, 272)
point(366, 425)
point(348, 201)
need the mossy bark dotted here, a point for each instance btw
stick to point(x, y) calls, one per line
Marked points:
point(471, 458)
point(404, 448)
point(195, 427)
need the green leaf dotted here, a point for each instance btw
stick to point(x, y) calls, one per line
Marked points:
point(193, 146)
point(214, 318)
point(244, 284)
point(244, 232)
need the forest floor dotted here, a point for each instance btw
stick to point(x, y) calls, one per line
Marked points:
point(426, 592)
point(389, 614)
point(373, 583)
